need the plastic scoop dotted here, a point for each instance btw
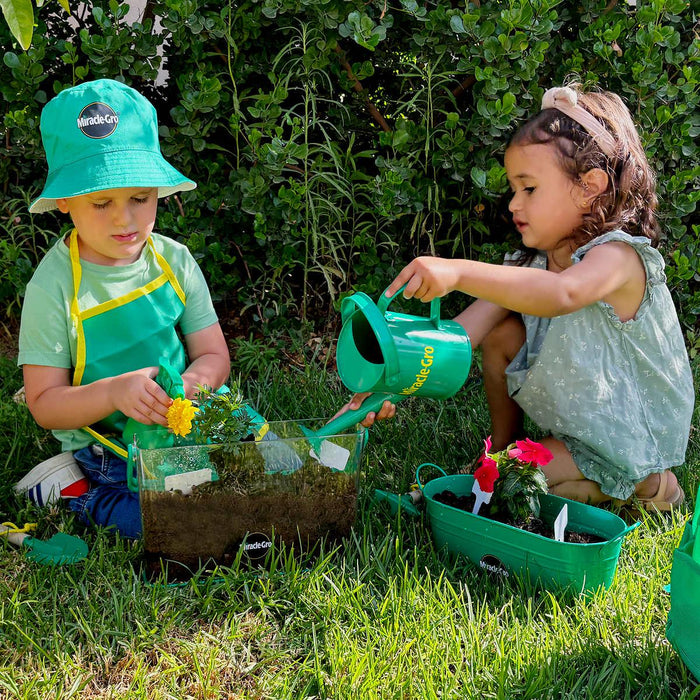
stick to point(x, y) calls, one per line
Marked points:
point(279, 457)
point(58, 549)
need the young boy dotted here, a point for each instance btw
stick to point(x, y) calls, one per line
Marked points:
point(109, 301)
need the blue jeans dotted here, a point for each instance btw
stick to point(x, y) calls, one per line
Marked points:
point(109, 502)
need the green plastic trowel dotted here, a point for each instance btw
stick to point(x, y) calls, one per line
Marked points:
point(58, 549)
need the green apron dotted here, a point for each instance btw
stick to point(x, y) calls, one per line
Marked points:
point(128, 333)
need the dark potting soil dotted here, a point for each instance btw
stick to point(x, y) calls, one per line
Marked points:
point(534, 525)
point(184, 532)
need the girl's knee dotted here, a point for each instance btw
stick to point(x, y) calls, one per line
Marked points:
point(505, 340)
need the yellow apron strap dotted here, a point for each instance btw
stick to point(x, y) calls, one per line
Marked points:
point(169, 273)
point(118, 449)
point(77, 319)
point(75, 311)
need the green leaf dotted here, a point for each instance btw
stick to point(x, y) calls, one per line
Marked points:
point(508, 102)
point(457, 24)
point(19, 15)
point(11, 60)
point(479, 177)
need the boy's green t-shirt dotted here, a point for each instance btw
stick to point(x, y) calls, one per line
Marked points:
point(47, 336)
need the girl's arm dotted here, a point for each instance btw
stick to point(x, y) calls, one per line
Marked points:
point(610, 272)
point(210, 362)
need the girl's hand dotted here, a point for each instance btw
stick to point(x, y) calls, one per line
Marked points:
point(388, 409)
point(426, 278)
point(137, 396)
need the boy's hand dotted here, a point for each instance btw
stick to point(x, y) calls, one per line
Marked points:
point(388, 409)
point(426, 278)
point(137, 396)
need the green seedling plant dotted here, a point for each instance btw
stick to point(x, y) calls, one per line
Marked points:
point(221, 418)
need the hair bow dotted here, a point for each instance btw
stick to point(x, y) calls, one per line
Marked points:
point(565, 99)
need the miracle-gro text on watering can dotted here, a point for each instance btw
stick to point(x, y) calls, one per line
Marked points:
point(400, 355)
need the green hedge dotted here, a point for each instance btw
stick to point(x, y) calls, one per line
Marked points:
point(333, 141)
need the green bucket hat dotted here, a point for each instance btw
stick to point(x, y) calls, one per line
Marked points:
point(102, 135)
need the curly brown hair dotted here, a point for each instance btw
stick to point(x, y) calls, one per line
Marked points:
point(629, 202)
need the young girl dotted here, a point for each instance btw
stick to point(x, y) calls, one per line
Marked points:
point(579, 331)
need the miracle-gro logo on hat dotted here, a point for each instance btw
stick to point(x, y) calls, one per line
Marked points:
point(98, 120)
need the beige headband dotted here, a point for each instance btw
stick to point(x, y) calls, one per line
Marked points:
point(566, 100)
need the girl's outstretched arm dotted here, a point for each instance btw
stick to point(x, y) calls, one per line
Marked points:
point(610, 272)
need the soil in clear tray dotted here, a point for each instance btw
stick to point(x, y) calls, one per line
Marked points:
point(182, 533)
point(534, 525)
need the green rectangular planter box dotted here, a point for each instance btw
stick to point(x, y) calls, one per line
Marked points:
point(506, 550)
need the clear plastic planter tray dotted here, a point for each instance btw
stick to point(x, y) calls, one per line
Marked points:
point(200, 504)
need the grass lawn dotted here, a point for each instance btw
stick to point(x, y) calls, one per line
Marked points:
point(383, 616)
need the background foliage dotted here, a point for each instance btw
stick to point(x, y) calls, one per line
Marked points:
point(333, 141)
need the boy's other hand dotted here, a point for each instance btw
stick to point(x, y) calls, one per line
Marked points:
point(388, 409)
point(426, 278)
point(137, 396)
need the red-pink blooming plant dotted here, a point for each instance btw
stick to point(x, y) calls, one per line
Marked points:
point(487, 474)
point(529, 451)
point(519, 482)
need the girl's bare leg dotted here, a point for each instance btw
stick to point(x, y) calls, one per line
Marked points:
point(564, 478)
point(499, 348)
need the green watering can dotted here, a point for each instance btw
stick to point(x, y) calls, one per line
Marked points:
point(395, 356)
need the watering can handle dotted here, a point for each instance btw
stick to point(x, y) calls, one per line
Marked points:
point(625, 532)
point(384, 301)
point(427, 464)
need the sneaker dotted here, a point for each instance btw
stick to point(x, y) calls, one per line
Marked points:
point(55, 478)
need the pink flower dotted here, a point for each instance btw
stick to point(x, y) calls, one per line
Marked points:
point(528, 451)
point(487, 474)
point(487, 445)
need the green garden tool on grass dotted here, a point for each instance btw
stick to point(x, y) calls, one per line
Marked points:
point(58, 549)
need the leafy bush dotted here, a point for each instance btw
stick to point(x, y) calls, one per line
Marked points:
point(333, 141)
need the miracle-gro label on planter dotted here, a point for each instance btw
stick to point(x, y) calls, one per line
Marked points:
point(256, 545)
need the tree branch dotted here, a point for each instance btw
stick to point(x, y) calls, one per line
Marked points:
point(357, 85)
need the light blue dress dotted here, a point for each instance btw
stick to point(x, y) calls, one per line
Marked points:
point(619, 395)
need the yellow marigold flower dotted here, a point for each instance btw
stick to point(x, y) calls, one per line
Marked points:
point(180, 415)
